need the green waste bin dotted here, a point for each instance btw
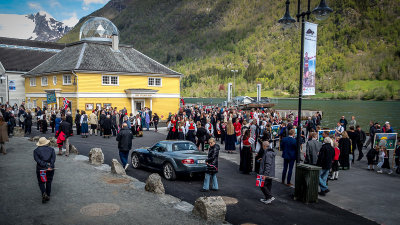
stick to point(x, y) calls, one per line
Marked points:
point(307, 183)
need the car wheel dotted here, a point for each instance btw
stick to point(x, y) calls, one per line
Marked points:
point(135, 161)
point(169, 171)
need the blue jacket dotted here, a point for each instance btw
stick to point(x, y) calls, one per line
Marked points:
point(289, 147)
point(44, 157)
point(57, 125)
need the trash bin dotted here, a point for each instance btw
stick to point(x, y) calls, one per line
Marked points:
point(307, 182)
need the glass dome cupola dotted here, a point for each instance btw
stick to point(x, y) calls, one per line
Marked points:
point(98, 29)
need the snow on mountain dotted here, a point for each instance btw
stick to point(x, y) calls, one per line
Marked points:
point(40, 26)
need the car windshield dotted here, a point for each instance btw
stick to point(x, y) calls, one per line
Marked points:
point(183, 146)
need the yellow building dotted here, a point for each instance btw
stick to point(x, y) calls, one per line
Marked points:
point(99, 71)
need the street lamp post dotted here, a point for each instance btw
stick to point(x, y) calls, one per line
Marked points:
point(321, 12)
point(234, 82)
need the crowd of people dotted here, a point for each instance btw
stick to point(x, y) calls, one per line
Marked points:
point(250, 132)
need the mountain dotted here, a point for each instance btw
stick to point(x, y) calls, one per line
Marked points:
point(206, 39)
point(40, 26)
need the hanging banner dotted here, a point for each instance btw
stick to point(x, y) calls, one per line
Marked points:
point(51, 97)
point(11, 85)
point(310, 53)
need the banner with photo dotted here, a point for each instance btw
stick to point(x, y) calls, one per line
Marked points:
point(332, 134)
point(275, 131)
point(389, 138)
point(309, 58)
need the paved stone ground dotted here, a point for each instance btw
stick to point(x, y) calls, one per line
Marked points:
point(81, 194)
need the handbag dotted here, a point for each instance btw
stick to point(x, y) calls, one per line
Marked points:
point(211, 168)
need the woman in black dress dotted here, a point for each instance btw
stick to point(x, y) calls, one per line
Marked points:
point(155, 121)
point(107, 125)
point(28, 122)
point(345, 151)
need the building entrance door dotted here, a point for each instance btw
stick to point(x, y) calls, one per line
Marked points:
point(139, 104)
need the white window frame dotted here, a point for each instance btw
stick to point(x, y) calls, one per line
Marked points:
point(47, 81)
point(54, 80)
point(32, 81)
point(70, 79)
point(44, 103)
point(34, 103)
point(154, 82)
point(108, 77)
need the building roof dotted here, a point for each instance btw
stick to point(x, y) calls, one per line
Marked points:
point(23, 55)
point(100, 57)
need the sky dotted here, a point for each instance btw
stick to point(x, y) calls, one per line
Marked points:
point(67, 11)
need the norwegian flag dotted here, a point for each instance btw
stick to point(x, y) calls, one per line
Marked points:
point(183, 101)
point(260, 181)
point(43, 176)
point(66, 102)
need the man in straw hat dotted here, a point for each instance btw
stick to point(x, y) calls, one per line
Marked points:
point(45, 158)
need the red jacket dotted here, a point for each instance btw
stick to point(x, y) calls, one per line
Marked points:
point(237, 127)
point(337, 153)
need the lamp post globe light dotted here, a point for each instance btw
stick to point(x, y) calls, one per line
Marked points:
point(287, 21)
point(321, 12)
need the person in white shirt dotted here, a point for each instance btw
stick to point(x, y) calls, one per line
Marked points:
point(339, 130)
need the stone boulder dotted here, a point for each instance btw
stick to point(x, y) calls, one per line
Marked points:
point(19, 132)
point(212, 209)
point(73, 150)
point(96, 156)
point(154, 184)
point(53, 142)
point(35, 139)
point(117, 168)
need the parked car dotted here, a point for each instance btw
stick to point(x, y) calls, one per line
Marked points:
point(172, 157)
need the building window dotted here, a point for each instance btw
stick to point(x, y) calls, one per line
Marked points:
point(32, 81)
point(109, 80)
point(55, 80)
point(44, 81)
point(44, 104)
point(155, 82)
point(34, 103)
point(67, 80)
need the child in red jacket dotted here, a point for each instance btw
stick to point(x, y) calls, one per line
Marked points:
point(335, 165)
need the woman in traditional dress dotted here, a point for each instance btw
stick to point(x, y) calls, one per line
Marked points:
point(230, 139)
point(246, 154)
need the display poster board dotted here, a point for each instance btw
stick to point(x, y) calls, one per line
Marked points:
point(391, 140)
point(275, 131)
point(107, 105)
point(320, 132)
point(89, 106)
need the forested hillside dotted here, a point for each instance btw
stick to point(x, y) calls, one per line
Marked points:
point(206, 39)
